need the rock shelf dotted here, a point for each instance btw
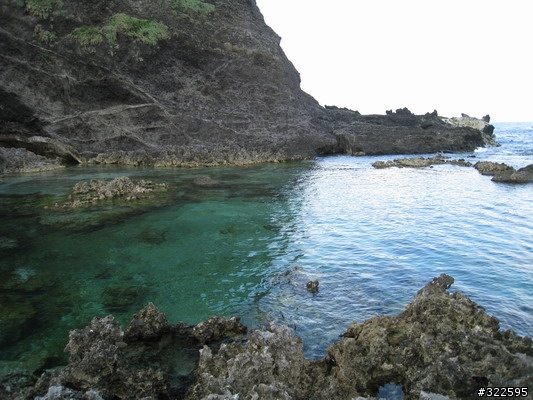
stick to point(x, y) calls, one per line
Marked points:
point(443, 345)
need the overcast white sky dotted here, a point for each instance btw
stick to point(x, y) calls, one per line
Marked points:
point(455, 56)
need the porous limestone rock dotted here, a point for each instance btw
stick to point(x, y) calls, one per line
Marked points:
point(121, 188)
point(442, 346)
point(147, 324)
point(217, 328)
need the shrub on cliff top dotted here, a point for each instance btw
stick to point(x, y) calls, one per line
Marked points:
point(43, 8)
point(145, 30)
point(88, 38)
point(198, 6)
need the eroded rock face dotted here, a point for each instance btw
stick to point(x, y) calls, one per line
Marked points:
point(403, 132)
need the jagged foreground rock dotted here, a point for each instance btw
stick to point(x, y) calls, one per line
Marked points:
point(180, 83)
point(442, 343)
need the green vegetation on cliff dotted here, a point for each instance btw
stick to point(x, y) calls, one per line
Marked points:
point(88, 38)
point(147, 31)
point(200, 7)
point(144, 30)
point(43, 8)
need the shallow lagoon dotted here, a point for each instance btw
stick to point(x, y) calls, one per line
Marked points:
point(371, 237)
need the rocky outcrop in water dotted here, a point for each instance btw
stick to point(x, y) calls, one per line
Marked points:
point(100, 190)
point(491, 168)
point(442, 346)
point(502, 172)
point(180, 83)
point(522, 175)
point(420, 162)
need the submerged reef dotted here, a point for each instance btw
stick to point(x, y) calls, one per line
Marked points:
point(443, 345)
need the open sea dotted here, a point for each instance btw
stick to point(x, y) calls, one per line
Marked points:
point(371, 237)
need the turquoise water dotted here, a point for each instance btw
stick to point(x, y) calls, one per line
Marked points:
point(371, 237)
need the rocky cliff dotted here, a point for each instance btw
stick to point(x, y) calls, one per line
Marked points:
point(174, 82)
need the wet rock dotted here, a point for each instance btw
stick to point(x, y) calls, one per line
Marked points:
point(502, 172)
point(148, 324)
point(491, 168)
point(7, 243)
point(17, 314)
point(217, 328)
point(122, 188)
point(523, 175)
point(312, 286)
point(420, 162)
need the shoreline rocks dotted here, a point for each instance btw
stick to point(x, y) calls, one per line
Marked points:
point(443, 344)
point(500, 172)
point(121, 188)
point(420, 162)
point(504, 173)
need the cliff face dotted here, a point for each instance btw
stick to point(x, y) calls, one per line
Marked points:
point(171, 82)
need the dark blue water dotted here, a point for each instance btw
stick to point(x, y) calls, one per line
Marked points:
point(372, 237)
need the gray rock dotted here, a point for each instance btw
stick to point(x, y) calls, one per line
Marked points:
point(217, 328)
point(523, 175)
point(491, 168)
point(420, 162)
point(100, 190)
